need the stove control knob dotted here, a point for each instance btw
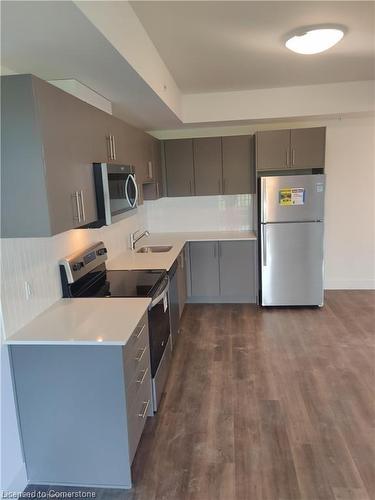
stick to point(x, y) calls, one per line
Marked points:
point(77, 266)
point(101, 251)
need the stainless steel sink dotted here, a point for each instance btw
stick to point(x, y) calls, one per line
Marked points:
point(154, 249)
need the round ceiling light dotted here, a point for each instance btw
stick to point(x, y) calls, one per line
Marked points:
point(313, 40)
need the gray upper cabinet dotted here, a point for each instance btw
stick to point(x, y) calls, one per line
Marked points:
point(204, 268)
point(308, 146)
point(179, 167)
point(272, 149)
point(237, 269)
point(153, 188)
point(238, 165)
point(208, 166)
point(46, 170)
point(294, 149)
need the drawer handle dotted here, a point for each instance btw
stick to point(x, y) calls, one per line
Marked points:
point(143, 413)
point(141, 353)
point(141, 380)
point(136, 337)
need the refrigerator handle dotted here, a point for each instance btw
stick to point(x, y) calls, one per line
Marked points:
point(264, 245)
point(264, 201)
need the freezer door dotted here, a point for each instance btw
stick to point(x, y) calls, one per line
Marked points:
point(292, 198)
point(292, 264)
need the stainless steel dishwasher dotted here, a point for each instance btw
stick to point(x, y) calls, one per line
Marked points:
point(174, 314)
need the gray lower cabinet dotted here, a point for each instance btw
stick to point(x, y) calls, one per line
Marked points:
point(204, 268)
point(208, 166)
point(179, 167)
point(222, 271)
point(82, 409)
point(181, 281)
point(237, 269)
point(238, 164)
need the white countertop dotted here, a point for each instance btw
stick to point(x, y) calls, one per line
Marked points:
point(90, 321)
point(129, 260)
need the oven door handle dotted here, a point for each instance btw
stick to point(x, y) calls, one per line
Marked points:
point(160, 297)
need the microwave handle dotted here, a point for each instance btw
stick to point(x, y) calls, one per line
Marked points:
point(130, 176)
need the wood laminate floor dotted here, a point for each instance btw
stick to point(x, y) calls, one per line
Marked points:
point(265, 404)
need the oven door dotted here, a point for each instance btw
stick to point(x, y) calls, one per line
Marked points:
point(116, 190)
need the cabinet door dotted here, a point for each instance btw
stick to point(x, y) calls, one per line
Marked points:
point(308, 146)
point(204, 268)
point(238, 165)
point(208, 170)
point(237, 269)
point(63, 179)
point(179, 167)
point(181, 282)
point(154, 190)
point(272, 149)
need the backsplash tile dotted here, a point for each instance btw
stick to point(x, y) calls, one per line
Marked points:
point(35, 260)
point(200, 213)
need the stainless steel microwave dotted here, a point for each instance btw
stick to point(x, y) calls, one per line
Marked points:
point(116, 191)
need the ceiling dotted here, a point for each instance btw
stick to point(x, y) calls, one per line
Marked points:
point(211, 46)
point(54, 40)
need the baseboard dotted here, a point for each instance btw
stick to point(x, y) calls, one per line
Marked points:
point(349, 285)
point(18, 483)
point(221, 300)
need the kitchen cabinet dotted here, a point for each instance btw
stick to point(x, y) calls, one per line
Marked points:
point(308, 147)
point(153, 189)
point(222, 271)
point(204, 268)
point(50, 139)
point(238, 164)
point(181, 281)
point(290, 149)
point(179, 167)
point(237, 269)
point(272, 149)
point(93, 399)
point(208, 172)
point(47, 179)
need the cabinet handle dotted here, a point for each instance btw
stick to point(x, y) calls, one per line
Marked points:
point(293, 156)
point(287, 157)
point(143, 412)
point(150, 172)
point(223, 186)
point(78, 217)
point(215, 252)
point(82, 205)
point(140, 354)
point(157, 190)
point(113, 148)
point(136, 337)
point(109, 147)
point(219, 184)
point(141, 380)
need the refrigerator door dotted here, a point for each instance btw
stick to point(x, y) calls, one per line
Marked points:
point(292, 198)
point(292, 264)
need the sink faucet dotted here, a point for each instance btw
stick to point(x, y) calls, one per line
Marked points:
point(134, 239)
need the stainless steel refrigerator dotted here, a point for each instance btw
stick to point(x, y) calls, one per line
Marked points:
point(291, 240)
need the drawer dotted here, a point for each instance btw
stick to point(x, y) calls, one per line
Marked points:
point(137, 415)
point(134, 381)
point(135, 348)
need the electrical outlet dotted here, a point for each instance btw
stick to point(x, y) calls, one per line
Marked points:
point(28, 290)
